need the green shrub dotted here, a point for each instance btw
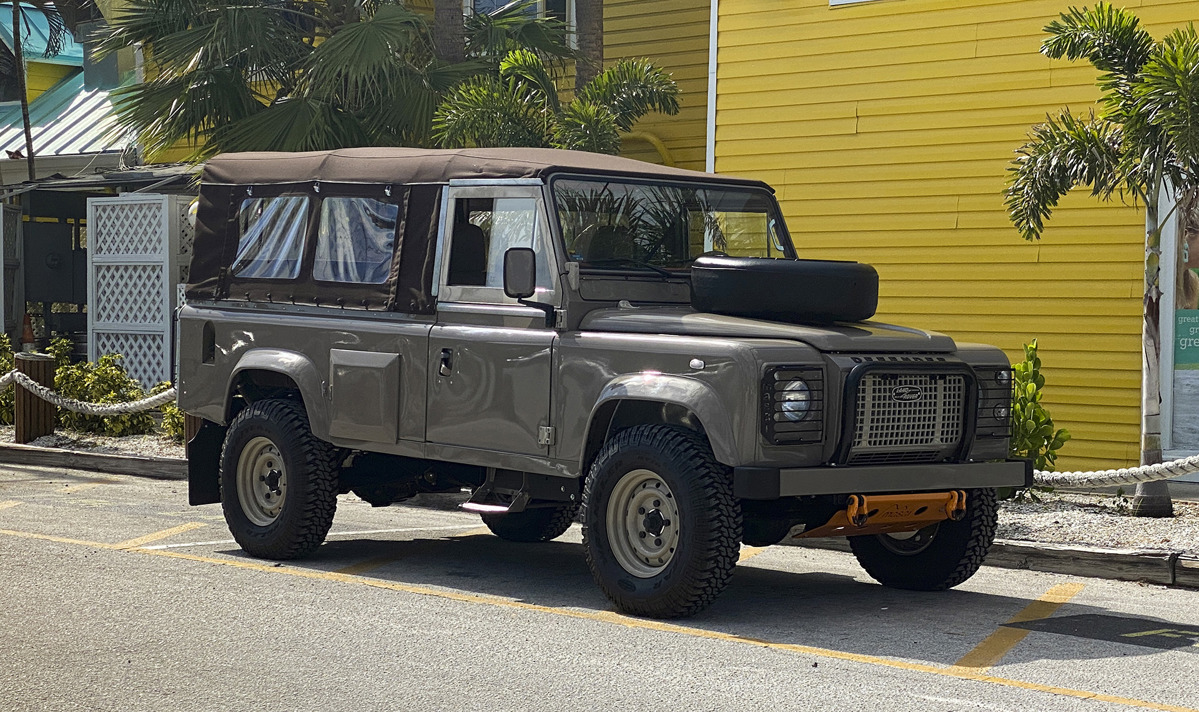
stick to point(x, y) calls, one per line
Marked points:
point(1033, 434)
point(7, 395)
point(104, 381)
point(172, 417)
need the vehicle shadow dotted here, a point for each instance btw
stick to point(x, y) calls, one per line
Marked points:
point(806, 608)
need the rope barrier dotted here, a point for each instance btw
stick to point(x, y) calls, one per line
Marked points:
point(1094, 478)
point(78, 406)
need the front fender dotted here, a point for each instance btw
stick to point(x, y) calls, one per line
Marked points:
point(300, 369)
point(696, 396)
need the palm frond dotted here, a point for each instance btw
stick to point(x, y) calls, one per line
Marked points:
point(1064, 152)
point(485, 111)
point(1111, 38)
point(584, 126)
point(169, 108)
point(365, 58)
point(1168, 96)
point(632, 88)
point(145, 21)
point(525, 66)
point(293, 124)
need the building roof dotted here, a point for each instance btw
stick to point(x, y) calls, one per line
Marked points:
point(69, 119)
point(35, 36)
point(424, 165)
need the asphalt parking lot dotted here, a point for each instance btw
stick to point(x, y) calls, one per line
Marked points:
point(117, 596)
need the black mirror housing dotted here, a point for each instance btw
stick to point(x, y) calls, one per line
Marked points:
point(520, 272)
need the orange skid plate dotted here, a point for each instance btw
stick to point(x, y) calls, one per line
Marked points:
point(883, 513)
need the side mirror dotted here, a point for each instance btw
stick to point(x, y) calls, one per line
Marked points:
point(520, 272)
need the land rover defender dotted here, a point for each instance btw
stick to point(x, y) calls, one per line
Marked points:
point(565, 334)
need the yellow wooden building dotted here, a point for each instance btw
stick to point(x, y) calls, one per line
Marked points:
point(886, 127)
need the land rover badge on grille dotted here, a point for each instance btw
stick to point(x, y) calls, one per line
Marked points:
point(906, 394)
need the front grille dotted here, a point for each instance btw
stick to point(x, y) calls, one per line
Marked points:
point(907, 418)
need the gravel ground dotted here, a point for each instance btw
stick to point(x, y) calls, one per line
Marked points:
point(154, 445)
point(1059, 517)
point(1097, 520)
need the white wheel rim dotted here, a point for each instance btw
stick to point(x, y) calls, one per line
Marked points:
point(643, 523)
point(261, 481)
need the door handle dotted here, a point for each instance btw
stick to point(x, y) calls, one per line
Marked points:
point(447, 362)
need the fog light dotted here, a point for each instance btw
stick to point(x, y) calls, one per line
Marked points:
point(796, 401)
point(1003, 378)
point(1002, 412)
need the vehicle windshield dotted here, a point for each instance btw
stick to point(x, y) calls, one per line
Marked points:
point(662, 227)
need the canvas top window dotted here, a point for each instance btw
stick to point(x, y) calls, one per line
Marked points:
point(271, 237)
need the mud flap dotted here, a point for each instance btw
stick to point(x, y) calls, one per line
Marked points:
point(204, 464)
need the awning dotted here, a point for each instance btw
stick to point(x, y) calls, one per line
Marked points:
point(69, 119)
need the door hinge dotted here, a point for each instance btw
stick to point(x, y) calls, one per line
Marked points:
point(545, 435)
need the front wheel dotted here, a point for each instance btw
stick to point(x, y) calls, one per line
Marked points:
point(278, 481)
point(936, 557)
point(661, 527)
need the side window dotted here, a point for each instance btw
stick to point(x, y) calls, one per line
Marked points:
point(355, 240)
point(483, 230)
point(271, 242)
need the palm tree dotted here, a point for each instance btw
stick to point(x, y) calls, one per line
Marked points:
point(449, 36)
point(1142, 142)
point(589, 29)
point(288, 75)
point(521, 107)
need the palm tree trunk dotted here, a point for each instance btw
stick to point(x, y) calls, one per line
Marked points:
point(20, 62)
point(1152, 499)
point(589, 29)
point(449, 32)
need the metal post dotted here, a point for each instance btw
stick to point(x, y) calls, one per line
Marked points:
point(33, 416)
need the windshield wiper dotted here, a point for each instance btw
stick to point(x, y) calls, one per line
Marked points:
point(627, 262)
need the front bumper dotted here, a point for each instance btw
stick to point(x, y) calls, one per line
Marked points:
point(772, 482)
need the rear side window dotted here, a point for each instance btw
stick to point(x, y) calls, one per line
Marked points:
point(272, 237)
point(355, 240)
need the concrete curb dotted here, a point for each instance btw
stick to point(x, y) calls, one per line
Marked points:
point(160, 468)
point(1167, 568)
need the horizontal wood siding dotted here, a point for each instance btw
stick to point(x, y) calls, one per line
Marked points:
point(41, 76)
point(887, 128)
point(673, 34)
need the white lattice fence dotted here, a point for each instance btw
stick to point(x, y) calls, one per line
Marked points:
point(133, 266)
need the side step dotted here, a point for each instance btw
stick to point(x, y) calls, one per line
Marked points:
point(510, 491)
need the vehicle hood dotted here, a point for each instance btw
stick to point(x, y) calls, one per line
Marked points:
point(861, 337)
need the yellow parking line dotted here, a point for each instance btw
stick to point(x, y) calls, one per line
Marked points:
point(989, 652)
point(142, 540)
point(473, 532)
point(363, 567)
point(750, 552)
point(56, 539)
point(957, 671)
point(72, 489)
point(9, 503)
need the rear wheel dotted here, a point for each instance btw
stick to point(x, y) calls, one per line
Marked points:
point(532, 525)
point(661, 527)
point(936, 557)
point(278, 481)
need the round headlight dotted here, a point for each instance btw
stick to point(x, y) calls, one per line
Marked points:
point(796, 401)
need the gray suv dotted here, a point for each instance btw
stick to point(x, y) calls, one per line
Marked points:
point(565, 335)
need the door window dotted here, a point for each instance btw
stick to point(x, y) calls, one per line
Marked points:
point(483, 228)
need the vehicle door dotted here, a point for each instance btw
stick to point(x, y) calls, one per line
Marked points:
point(490, 357)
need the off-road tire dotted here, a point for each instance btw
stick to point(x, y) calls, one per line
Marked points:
point(954, 553)
point(709, 527)
point(311, 467)
point(532, 525)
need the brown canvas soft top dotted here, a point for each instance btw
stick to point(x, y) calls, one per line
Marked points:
point(400, 166)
